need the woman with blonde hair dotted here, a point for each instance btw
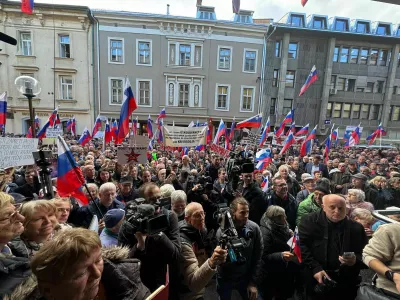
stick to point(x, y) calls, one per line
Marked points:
point(383, 197)
point(40, 226)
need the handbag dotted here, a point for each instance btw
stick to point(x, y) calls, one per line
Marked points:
point(371, 292)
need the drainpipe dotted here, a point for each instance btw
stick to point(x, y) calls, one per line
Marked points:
point(95, 92)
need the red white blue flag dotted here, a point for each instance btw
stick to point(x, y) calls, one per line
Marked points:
point(114, 130)
point(27, 6)
point(53, 117)
point(290, 140)
point(379, 132)
point(287, 120)
point(42, 133)
point(3, 110)
point(306, 145)
point(253, 122)
point(85, 137)
point(220, 132)
point(128, 106)
point(312, 77)
point(294, 244)
point(354, 137)
point(302, 131)
point(107, 133)
point(149, 128)
point(265, 184)
point(97, 126)
point(265, 132)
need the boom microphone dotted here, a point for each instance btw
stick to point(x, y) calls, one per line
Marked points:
point(7, 39)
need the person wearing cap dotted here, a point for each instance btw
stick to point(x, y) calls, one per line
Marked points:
point(113, 220)
point(309, 187)
point(339, 177)
point(126, 190)
point(352, 167)
point(360, 181)
point(314, 201)
point(316, 165)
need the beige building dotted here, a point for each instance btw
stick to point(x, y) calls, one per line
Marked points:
point(55, 47)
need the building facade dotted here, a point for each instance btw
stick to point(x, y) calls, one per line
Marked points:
point(358, 70)
point(55, 47)
point(196, 68)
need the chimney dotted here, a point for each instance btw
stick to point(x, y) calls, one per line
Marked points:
point(199, 2)
point(167, 9)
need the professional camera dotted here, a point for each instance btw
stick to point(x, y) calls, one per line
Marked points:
point(205, 183)
point(229, 238)
point(238, 163)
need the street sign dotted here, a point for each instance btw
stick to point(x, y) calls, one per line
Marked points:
point(327, 122)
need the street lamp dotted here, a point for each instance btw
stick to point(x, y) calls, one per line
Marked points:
point(29, 87)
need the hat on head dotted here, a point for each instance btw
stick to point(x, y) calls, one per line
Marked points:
point(248, 168)
point(360, 176)
point(322, 188)
point(126, 179)
point(307, 178)
point(113, 217)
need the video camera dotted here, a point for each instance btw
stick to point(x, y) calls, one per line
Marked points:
point(205, 183)
point(229, 238)
point(237, 164)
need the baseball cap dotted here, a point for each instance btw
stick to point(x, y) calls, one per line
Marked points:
point(307, 178)
point(113, 217)
point(126, 179)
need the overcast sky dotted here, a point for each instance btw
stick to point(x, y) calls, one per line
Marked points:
point(276, 9)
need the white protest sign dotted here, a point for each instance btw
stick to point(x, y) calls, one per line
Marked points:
point(179, 136)
point(53, 132)
point(137, 155)
point(352, 128)
point(141, 140)
point(17, 151)
point(252, 139)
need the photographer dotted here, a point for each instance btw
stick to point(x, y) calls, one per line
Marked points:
point(241, 275)
point(195, 268)
point(157, 250)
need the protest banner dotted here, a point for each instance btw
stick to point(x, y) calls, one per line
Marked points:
point(137, 155)
point(17, 151)
point(252, 139)
point(178, 136)
point(220, 150)
point(53, 132)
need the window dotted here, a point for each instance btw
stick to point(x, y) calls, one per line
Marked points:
point(26, 43)
point(341, 25)
point(356, 111)
point(272, 108)
point(346, 111)
point(66, 88)
point(336, 54)
point(329, 110)
point(293, 50)
point(275, 80)
point(380, 86)
point(333, 81)
point(375, 112)
point(117, 90)
point(383, 30)
point(183, 95)
point(278, 49)
point(287, 106)
point(296, 20)
point(364, 56)
point(370, 87)
point(244, 19)
point(344, 55)
point(395, 90)
point(250, 61)
point(319, 23)
point(341, 84)
point(224, 60)
point(360, 90)
point(351, 85)
point(143, 52)
point(365, 111)
point(144, 92)
point(290, 78)
point(184, 55)
point(395, 113)
point(116, 53)
point(207, 15)
point(383, 55)
point(246, 104)
point(374, 57)
point(337, 110)
point(222, 97)
point(64, 46)
point(362, 27)
point(354, 55)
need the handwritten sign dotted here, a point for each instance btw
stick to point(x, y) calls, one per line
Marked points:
point(178, 136)
point(53, 132)
point(17, 152)
point(220, 150)
point(132, 155)
point(252, 139)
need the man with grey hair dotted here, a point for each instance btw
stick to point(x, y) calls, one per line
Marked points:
point(178, 204)
point(331, 248)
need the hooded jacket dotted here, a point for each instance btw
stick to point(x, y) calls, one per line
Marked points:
point(306, 207)
point(120, 279)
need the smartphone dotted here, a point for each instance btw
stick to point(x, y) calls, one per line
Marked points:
point(348, 254)
point(168, 172)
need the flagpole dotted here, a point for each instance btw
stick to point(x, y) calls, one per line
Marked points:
point(380, 140)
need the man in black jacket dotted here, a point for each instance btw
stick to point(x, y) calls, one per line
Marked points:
point(316, 165)
point(32, 186)
point(331, 250)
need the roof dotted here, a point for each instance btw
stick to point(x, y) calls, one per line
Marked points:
point(48, 6)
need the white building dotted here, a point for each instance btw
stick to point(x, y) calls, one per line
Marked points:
point(55, 47)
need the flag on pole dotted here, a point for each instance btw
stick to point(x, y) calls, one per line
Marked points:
point(304, 2)
point(70, 178)
point(354, 138)
point(69, 125)
point(37, 122)
point(149, 128)
point(97, 126)
point(265, 184)
point(29, 133)
point(334, 137)
point(312, 77)
point(107, 133)
point(264, 135)
point(162, 114)
point(287, 120)
point(114, 130)
point(379, 132)
point(209, 132)
point(160, 137)
point(290, 140)
point(220, 132)
point(53, 117)
point(253, 122)
point(294, 244)
point(85, 137)
point(306, 145)
point(302, 131)
point(3, 110)
point(292, 129)
point(27, 6)
point(328, 143)
point(128, 106)
point(42, 133)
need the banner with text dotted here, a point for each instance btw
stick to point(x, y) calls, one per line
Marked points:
point(17, 151)
point(220, 150)
point(132, 155)
point(178, 136)
point(53, 132)
point(252, 139)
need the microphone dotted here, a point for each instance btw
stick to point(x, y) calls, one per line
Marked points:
point(7, 39)
point(146, 210)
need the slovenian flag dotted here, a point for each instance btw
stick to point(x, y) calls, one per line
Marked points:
point(265, 184)
point(312, 77)
point(303, 131)
point(107, 133)
point(27, 6)
point(290, 140)
point(294, 244)
point(220, 132)
point(306, 145)
point(253, 122)
point(3, 110)
point(162, 114)
point(334, 136)
point(264, 135)
point(328, 144)
point(354, 137)
point(97, 126)
point(85, 137)
point(379, 132)
point(53, 117)
point(114, 130)
point(128, 106)
point(70, 178)
point(69, 124)
point(149, 128)
point(287, 120)
point(42, 133)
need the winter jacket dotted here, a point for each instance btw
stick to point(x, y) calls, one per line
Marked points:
point(13, 272)
point(395, 197)
point(194, 268)
point(302, 195)
point(120, 279)
point(256, 198)
point(339, 178)
point(289, 205)
point(306, 207)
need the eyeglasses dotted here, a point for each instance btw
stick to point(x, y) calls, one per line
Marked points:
point(10, 218)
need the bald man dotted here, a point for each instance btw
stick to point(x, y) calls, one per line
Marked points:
point(331, 248)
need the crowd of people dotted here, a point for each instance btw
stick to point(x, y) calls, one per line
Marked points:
point(192, 221)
